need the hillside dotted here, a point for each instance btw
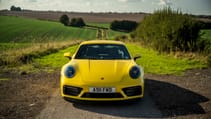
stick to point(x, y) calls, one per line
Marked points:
point(88, 17)
point(18, 29)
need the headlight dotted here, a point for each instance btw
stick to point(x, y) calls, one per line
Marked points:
point(135, 72)
point(69, 71)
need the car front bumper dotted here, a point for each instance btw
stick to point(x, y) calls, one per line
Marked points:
point(121, 93)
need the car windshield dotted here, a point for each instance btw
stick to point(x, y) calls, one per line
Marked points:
point(102, 52)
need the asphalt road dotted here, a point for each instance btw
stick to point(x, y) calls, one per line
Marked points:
point(58, 108)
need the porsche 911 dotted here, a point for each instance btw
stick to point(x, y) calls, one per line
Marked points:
point(102, 70)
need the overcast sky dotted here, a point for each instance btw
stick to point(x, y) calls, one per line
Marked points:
point(187, 6)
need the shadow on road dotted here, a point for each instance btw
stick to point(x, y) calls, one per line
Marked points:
point(161, 99)
point(173, 100)
point(139, 108)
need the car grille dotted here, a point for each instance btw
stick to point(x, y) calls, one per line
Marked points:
point(133, 91)
point(102, 95)
point(70, 90)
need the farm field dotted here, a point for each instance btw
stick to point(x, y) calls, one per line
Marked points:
point(23, 37)
point(21, 30)
point(17, 29)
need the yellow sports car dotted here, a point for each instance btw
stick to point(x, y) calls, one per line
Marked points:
point(102, 70)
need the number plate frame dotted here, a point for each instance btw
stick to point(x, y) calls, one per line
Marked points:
point(102, 90)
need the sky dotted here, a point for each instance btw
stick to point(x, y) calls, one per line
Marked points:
point(197, 7)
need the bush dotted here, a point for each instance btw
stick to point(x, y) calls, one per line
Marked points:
point(64, 19)
point(168, 30)
point(77, 22)
point(124, 25)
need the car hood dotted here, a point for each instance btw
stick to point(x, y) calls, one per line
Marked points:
point(105, 71)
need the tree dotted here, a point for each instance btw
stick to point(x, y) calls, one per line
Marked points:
point(13, 8)
point(64, 19)
point(123, 25)
point(77, 22)
point(81, 22)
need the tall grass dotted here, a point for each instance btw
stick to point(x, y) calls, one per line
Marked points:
point(24, 55)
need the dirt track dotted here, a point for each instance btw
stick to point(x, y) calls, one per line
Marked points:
point(167, 96)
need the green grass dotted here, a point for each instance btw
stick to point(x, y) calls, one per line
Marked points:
point(16, 54)
point(105, 25)
point(151, 61)
point(13, 46)
point(24, 37)
point(17, 29)
point(206, 40)
point(111, 33)
point(56, 60)
point(207, 34)
point(4, 79)
point(156, 63)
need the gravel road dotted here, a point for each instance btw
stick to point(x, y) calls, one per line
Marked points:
point(57, 108)
point(36, 96)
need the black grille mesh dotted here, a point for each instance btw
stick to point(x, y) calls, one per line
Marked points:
point(133, 91)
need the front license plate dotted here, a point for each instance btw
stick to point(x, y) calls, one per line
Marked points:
point(102, 90)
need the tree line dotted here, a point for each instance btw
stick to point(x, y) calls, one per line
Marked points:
point(13, 8)
point(76, 22)
point(124, 25)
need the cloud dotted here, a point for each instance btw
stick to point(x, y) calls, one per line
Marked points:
point(31, 0)
point(165, 2)
point(88, 3)
point(123, 0)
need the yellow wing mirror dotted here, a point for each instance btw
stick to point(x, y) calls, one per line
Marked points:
point(68, 55)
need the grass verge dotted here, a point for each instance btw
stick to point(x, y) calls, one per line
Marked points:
point(25, 55)
point(152, 61)
point(156, 63)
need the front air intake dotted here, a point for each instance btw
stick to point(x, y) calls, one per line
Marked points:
point(102, 95)
point(133, 91)
point(70, 90)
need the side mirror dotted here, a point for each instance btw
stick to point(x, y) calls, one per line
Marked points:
point(68, 55)
point(136, 57)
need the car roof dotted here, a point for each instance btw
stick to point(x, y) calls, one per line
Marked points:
point(102, 42)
